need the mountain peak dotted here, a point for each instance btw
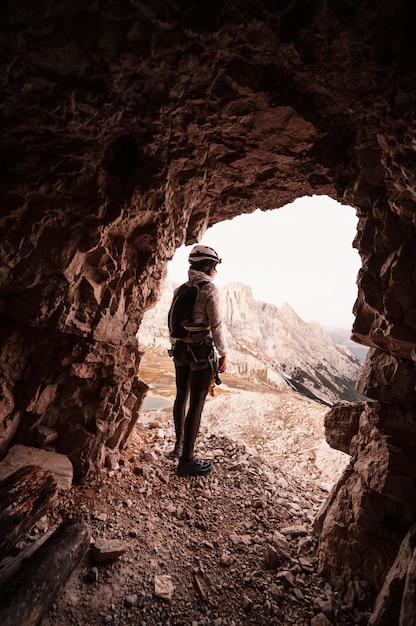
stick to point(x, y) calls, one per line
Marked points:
point(286, 310)
point(238, 288)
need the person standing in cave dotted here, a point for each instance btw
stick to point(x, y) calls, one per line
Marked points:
point(193, 376)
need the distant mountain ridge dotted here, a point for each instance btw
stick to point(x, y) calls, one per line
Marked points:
point(270, 344)
point(342, 337)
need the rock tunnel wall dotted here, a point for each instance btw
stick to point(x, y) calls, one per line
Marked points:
point(128, 129)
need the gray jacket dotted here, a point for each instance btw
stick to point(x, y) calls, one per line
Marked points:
point(207, 309)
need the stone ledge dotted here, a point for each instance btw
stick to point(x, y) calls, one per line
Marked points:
point(20, 456)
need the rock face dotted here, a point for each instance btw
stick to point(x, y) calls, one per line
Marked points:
point(309, 359)
point(128, 129)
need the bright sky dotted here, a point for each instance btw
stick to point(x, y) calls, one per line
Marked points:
point(301, 254)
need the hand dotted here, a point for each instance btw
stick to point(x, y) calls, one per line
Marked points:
point(222, 366)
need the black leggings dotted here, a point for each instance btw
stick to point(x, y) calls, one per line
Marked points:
point(193, 384)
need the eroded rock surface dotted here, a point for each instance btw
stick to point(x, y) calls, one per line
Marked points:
point(128, 129)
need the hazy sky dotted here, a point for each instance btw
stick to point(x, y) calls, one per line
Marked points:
point(301, 254)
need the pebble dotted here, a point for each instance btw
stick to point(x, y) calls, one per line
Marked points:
point(286, 577)
point(295, 531)
point(247, 604)
point(132, 599)
point(163, 586)
point(246, 540)
point(106, 550)
point(298, 594)
point(281, 544)
point(226, 559)
point(91, 576)
point(271, 556)
point(235, 539)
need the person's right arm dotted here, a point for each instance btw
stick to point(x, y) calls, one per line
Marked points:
point(214, 318)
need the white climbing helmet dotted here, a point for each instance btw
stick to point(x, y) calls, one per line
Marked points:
point(203, 253)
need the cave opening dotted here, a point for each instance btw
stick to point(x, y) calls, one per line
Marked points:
point(303, 248)
point(301, 254)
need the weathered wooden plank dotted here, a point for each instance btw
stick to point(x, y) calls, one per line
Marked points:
point(26, 599)
point(12, 567)
point(25, 496)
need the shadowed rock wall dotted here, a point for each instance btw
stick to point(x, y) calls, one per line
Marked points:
point(128, 129)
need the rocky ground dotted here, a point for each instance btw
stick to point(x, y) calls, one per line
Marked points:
point(236, 547)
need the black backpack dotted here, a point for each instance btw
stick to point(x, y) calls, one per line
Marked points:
point(180, 314)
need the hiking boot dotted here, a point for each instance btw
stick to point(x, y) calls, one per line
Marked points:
point(192, 467)
point(177, 451)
